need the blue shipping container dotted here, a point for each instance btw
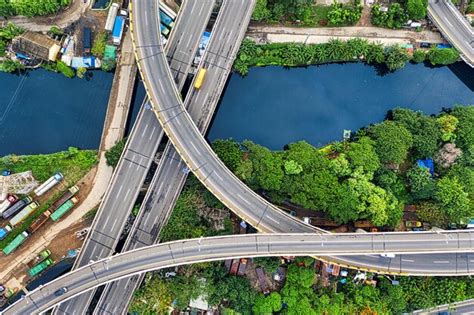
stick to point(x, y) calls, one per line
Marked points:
point(118, 29)
point(165, 19)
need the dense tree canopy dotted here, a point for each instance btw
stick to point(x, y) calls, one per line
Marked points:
point(392, 141)
point(31, 7)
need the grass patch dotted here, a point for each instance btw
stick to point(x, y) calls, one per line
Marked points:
point(73, 164)
point(321, 13)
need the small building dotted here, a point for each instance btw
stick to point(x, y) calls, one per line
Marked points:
point(37, 46)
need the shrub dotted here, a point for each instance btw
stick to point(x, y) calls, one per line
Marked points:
point(64, 69)
point(443, 56)
point(98, 47)
point(419, 55)
point(113, 154)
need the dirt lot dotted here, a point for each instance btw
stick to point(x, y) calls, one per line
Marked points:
point(62, 243)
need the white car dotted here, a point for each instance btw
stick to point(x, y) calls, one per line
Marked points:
point(388, 255)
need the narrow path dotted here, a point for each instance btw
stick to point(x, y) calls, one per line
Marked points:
point(62, 18)
point(280, 34)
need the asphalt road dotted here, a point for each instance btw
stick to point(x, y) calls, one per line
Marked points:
point(235, 246)
point(458, 308)
point(225, 186)
point(454, 27)
point(169, 176)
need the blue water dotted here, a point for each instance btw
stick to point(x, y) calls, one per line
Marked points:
point(101, 4)
point(274, 106)
point(44, 112)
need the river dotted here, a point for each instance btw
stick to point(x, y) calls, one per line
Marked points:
point(44, 112)
point(274, 106)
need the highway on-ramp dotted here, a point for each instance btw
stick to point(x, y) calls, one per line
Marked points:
point(234, 246)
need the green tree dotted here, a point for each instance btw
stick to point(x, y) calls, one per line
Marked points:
point(153, 297)
point(98, 48)
point(361, 154)
point(261, 12)
point(65, 69)
point(267, 167)
point(443, 56)
point(292, 168)
point(108, 64)
point(270, 264)
point(425, 130)
point(453, 199)
point(464, 130)
point(10, 66)
point(422, 186)
point(267, 305)
point(419, 55)
point(448, 125)
point(392, 141)
point(112, 155)
point(229, 152)
point(417, 9)
point(395, 57)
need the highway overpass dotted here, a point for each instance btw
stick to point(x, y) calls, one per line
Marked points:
point(236, 246)
point(200, 158)
point(457, 308)
point(169, 176)
point(454, 27)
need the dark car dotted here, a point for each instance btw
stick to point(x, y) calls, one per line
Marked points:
point(60, 291)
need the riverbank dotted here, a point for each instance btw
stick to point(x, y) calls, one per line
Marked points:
point(318, 35)
point(393, 57)
point(373, 173)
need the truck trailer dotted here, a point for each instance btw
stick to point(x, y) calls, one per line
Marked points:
point(65, 197)
point(4, 231)
point(109, 24)
point(17, 241)
point(64, 209)
point(39, 258)
point(50, 183)
point(39, 268)
point(16, 207)
point(23, 214)
point(7, 203)
point(117, 31)
point(87, 40)
point(36, 224)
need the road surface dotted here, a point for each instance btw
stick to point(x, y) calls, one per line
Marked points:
point(235, 246)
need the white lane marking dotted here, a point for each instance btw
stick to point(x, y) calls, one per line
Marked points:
point(178, 122)
point(146, 19)
point(200, 11)
point(113, 225)
point(273, 219)
point(408, 260)
point(441, 261)
point(152, 132)
point(118, 194)
point(144, 130)
point(126, 195)
point(245, 200)
point(220, 177)
point(140, 163)
point(195, 148)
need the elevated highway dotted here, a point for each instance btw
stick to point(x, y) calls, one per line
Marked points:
point(455, 28)
point(235, 246)
point(458, 308)
point(222, 183)
point(169, 176)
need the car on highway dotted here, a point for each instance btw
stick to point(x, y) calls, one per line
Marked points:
point(388, 255)
point(61, 291)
